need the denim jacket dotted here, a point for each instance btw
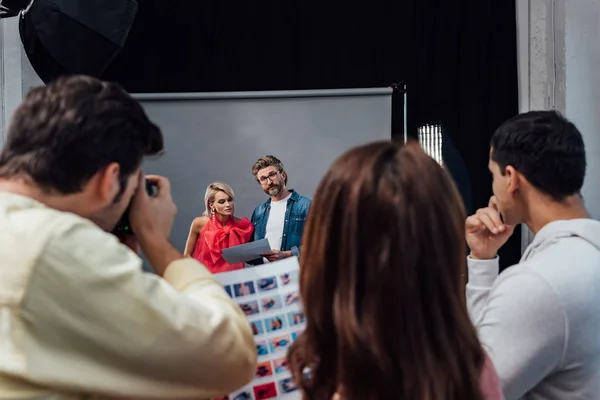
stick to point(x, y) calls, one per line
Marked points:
point(293, 226)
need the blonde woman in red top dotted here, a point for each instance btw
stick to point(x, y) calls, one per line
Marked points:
point(217, 229)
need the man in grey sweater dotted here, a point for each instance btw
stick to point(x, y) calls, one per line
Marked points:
point(539, 320)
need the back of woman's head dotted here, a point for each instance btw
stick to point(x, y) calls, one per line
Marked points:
point(382, 282)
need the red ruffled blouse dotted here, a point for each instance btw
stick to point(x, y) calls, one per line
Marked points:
point(215, 237)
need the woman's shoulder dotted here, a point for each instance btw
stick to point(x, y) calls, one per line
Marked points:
point(200, 222)
point(242, 221)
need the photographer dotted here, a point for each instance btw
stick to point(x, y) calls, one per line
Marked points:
point(78, 316)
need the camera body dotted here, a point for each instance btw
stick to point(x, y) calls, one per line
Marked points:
point(123, 226)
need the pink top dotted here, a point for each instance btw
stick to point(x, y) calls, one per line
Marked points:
point(488, 381)
point(215, 237)
point(490, 384)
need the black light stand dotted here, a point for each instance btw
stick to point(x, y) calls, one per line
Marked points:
point(399, 115)
point(12, 8)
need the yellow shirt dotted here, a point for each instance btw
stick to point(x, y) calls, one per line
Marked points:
point(80, 319)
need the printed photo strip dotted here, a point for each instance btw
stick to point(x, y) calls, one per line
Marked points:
point(266, 284)
point(269, 297)
point(287, 385)
point(271, 303)
point(280, 365)
point(257, 327)
point(265, 391)
point(262, 349)
point(279, 344)
point(244, 289)
point(296, 318)
point(264, 369)
point(250, 308)
point(275, 323)
point(292, 298)
point(289, 278)
point(244, 394)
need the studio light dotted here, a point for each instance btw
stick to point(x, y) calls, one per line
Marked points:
point(12, 8)
point(72, 36)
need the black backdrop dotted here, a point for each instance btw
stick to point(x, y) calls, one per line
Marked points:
point(458, 59)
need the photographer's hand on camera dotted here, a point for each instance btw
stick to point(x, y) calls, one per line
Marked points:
point(153, 215)
point(152, 219)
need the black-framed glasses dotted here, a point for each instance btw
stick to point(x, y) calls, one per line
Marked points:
point(271, 176)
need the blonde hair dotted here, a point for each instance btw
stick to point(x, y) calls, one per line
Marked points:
point(211, 191)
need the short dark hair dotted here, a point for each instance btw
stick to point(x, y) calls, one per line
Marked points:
point(268, 161)
point(64, 133)
point(546, 148)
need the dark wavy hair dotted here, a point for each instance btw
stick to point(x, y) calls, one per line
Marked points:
point(62, 134)
point(382, 283)
point(546, 148)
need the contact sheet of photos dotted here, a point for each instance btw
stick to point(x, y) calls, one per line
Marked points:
point(268, 295)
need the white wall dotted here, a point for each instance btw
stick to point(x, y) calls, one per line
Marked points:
point(536, 63)
point(559, 68)
point(16, 74)
point(582, 67)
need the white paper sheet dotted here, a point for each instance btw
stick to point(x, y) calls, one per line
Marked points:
point(269, 297)
point(246, 252)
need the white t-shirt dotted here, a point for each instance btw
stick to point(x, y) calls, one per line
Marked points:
point(275, 223)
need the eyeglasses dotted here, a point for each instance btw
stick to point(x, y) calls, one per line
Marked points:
point(271, 177)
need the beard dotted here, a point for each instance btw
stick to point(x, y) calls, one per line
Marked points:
point(274, 190)
point(108, 217)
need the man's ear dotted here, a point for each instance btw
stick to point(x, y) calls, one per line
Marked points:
point(514, 179)
point(107, 183)
point(284, 176)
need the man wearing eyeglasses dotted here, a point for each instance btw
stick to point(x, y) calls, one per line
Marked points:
point(281, 218)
